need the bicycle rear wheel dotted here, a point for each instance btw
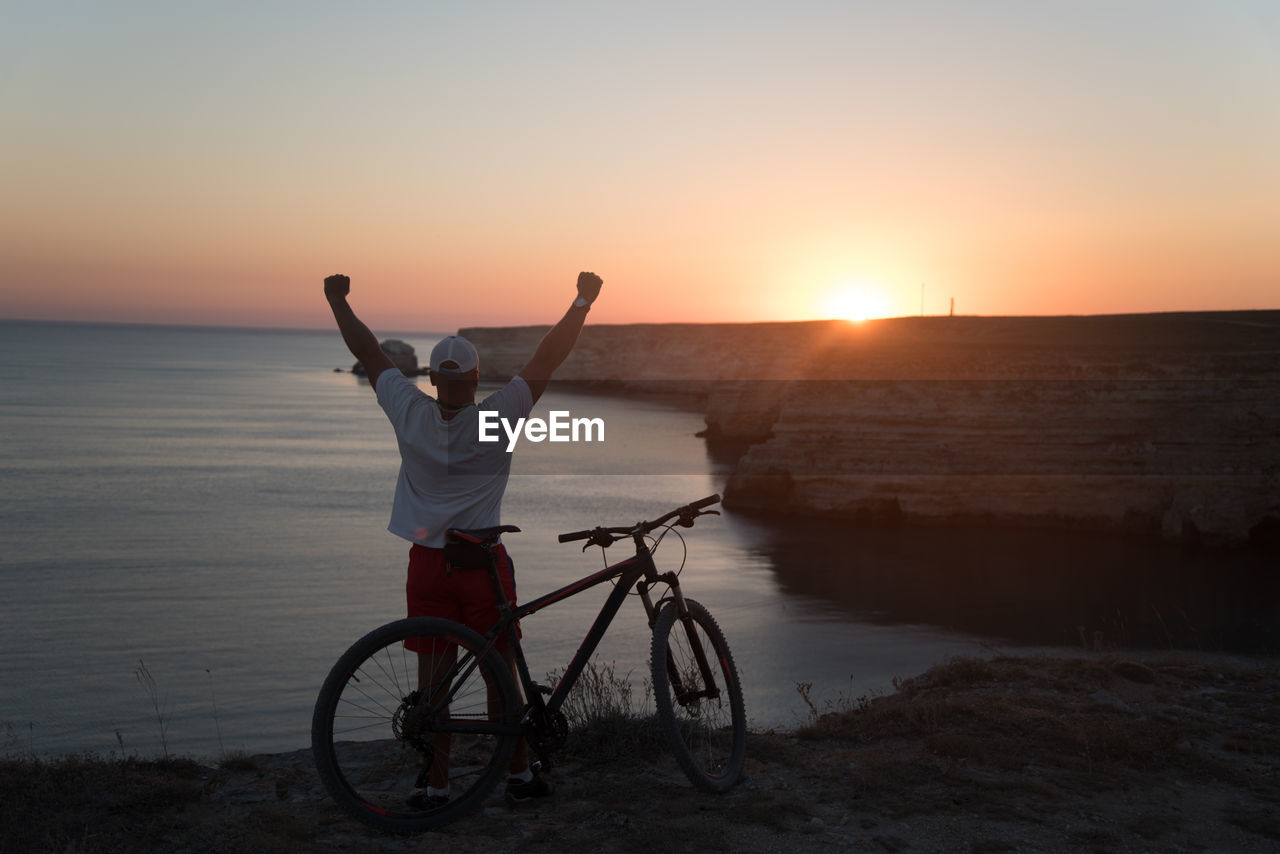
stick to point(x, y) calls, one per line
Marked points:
point(704, 719)
point(375, 728)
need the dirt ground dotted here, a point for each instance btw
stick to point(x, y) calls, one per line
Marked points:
point(1096, 754)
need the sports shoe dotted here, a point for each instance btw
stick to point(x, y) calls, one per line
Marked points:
point(520, 791)
point(420, 800)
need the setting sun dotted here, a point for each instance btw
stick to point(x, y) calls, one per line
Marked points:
point(857, 303)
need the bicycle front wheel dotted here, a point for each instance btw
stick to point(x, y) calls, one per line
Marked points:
point(699, 697)
point(386, 714)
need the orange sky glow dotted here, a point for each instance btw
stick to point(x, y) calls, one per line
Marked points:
point(713, 162)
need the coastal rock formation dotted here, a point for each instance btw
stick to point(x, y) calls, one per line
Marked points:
point(1183, 459)
point(401, 353)
point(1157, 424)
point(689, 358)
point(1166, 425)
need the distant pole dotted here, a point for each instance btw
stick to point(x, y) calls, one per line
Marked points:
point(953, 307)
point(922, 299)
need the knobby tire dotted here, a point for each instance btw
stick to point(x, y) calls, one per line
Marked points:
point(370, 731)
point(708, 735)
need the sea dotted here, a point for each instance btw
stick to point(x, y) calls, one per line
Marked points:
point(193, 529)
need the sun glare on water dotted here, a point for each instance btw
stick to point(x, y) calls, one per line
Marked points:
point(856, 303)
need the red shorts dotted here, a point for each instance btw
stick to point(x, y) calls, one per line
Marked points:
point(462, 595)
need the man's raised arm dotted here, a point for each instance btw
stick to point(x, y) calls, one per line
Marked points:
point(558, 342)
point(362, 343)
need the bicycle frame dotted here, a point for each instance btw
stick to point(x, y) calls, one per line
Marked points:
point(638, 571)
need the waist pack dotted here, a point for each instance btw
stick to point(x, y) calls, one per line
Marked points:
point(466, 556)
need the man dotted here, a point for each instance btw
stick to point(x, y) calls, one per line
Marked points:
point(449, 479)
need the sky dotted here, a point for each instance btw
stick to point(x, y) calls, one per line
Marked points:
point(712, 161)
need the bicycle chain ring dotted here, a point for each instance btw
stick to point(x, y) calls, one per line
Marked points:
point(548, 733)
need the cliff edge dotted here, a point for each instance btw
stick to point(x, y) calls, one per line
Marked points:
point(1164, 424)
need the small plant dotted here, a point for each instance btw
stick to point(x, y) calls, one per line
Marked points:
point(600, 694)
point(213, 700)
point(805, 689)
point(843, 703)
point(238, 760)
point(604, 721)
point(148, 683)
point(11, 738)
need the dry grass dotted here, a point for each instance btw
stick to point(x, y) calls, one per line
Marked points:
point(1090, 754)
point(1058, 727)
point(66, 804)
point(607, 721)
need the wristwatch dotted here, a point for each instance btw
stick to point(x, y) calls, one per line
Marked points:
point(581, 302)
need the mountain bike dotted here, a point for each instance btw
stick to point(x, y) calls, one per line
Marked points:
point(380, 719)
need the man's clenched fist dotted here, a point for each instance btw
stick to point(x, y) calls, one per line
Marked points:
point(589, 286)
point(337, 287)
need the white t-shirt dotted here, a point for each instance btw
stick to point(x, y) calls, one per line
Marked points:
point(448, 477)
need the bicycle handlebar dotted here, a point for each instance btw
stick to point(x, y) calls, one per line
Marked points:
point(576, 535)
point(705, 502)
point(686, 514)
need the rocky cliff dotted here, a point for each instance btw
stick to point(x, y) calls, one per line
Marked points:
point(1160, 424)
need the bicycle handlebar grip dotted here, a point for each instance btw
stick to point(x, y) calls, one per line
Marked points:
point(576, 535)
point(709, 500)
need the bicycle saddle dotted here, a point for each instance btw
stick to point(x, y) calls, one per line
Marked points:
point(479, 535)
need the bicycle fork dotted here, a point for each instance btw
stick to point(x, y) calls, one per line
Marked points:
point(684, 694)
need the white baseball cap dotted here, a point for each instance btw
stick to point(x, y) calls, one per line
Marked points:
point(454, 356)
